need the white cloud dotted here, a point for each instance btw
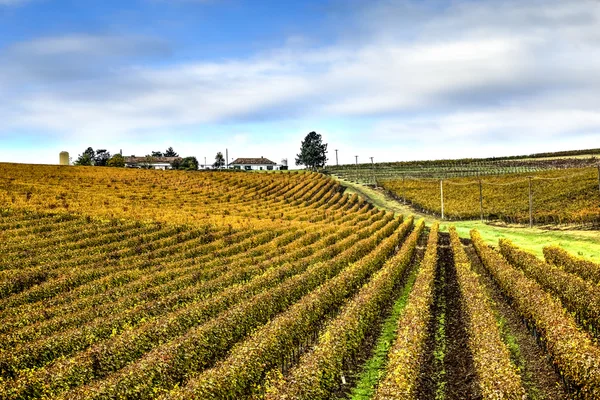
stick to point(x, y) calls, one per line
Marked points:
point(470, 72)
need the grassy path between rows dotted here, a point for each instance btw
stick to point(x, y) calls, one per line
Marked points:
point(578, 242)
point(374, 368)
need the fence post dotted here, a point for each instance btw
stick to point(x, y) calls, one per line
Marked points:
point(530, 204)
point(598, 177)
point(442, 195)
point(403, 190)
point(481, 200)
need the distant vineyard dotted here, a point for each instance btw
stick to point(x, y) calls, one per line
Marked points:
point(221, 285)
point(562, 196)
point(204, 198)
point(373, 173)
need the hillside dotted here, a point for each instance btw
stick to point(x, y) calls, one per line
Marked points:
point(134, 284)
point(368, 173)
point(558, 197)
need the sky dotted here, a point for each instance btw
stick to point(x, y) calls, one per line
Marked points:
point(394, 80)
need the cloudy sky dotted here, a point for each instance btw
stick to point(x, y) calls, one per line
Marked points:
point(395, 80)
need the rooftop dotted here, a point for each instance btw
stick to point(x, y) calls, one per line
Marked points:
point(253, 161)
point(135, 160)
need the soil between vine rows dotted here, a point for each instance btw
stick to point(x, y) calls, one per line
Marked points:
point(540, 379)
point(447, 372)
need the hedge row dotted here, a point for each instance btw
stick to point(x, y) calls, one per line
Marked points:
point(249, 361)
point(317, 375)
point(43, 351)
point(577, 295)
point(496, 375)
point(175, 277)
point(18, 308)
point(587, 270)
point(171, 277)
point(194, 348)
point(573, 351)
point(19, 311)
point(407, 352)
point(69, 276)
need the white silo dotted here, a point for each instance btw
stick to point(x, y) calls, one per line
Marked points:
point(64, 158)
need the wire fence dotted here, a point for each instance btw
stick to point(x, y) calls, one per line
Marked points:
point(518, 190)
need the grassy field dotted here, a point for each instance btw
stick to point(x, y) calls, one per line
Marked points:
point(580, 242)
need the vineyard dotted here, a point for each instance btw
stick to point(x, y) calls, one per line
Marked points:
point(557, 197)
point(372, 173)
point(133, 284)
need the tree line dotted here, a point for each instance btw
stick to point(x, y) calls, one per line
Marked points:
point(313, 154)
point(103, 158)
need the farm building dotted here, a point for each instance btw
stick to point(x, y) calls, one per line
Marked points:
point(256, 164)
point(150, 162)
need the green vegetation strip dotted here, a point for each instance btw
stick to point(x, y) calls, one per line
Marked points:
point(585, 244)
point(374, 368)
point(517, 359)
point(440, 339)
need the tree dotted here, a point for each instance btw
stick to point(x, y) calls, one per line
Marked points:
point(219, 160)
point(86, 158)
point(102, 157)
point(313, 152)
point(189, 164)
point(157, 154)
point(116, 161)
point(90, 152)
point(176, 163)
point(170, 153)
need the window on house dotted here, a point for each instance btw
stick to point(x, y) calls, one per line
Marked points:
point(270, 167)
point(247, 167)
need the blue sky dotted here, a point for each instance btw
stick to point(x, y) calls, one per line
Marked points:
point(396, 80)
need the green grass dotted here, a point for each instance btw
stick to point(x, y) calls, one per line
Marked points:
point(441, 341)
point(582, 243)
point(374, 368)
point(517, 358)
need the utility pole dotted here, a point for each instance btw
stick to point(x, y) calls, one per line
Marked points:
point(356, 157)
point(530, 204)
point(204, 162)
point(442, 195)
point(227, 158)
point(481, 200)
point(373, 171)
point(336, 157)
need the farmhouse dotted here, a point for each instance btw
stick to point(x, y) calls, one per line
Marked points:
point(149, 162)
point(259, 164)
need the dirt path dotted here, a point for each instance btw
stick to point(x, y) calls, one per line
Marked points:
point(448, 371)
point(537, 372)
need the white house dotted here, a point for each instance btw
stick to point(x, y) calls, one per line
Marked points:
point(256, 164)
point(150, 162)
